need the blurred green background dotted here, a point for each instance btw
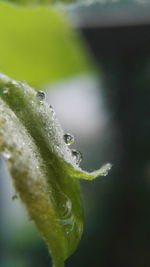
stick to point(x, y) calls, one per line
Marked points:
point(97, 76)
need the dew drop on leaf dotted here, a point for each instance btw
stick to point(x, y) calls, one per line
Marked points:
point(68, 138)
point(77, 155)
point(6, 154)
point(66, 217)
point(13, 83)
point(23, 82)
point(5, 90)
point(52, 112)
point(14, 197)
point(41, 95)
point(105, 168)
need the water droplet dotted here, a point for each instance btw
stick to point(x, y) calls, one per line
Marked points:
point(66, 218)
point(105, 168)
point(51, 108)
point(41, 95)
point(6, 154)
point(23, 82)
point(49, 132)
point(13, 82)
point(52, 112)
point(14, 197)
point(77, 155)
point(68, 138)
point(5, 90)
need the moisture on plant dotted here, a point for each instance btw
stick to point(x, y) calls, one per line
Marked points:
point(44, 169)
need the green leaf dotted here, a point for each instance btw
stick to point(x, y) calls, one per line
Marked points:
point(37, 45)
point(42, 166)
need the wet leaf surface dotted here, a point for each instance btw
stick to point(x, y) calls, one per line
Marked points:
point(42, 166)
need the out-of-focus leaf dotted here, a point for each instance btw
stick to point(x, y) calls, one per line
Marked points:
point(37, 45)
point(43, 168)
point(36, 2)
point(86, 2)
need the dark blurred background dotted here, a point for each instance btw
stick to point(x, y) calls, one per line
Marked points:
point(109, 114)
